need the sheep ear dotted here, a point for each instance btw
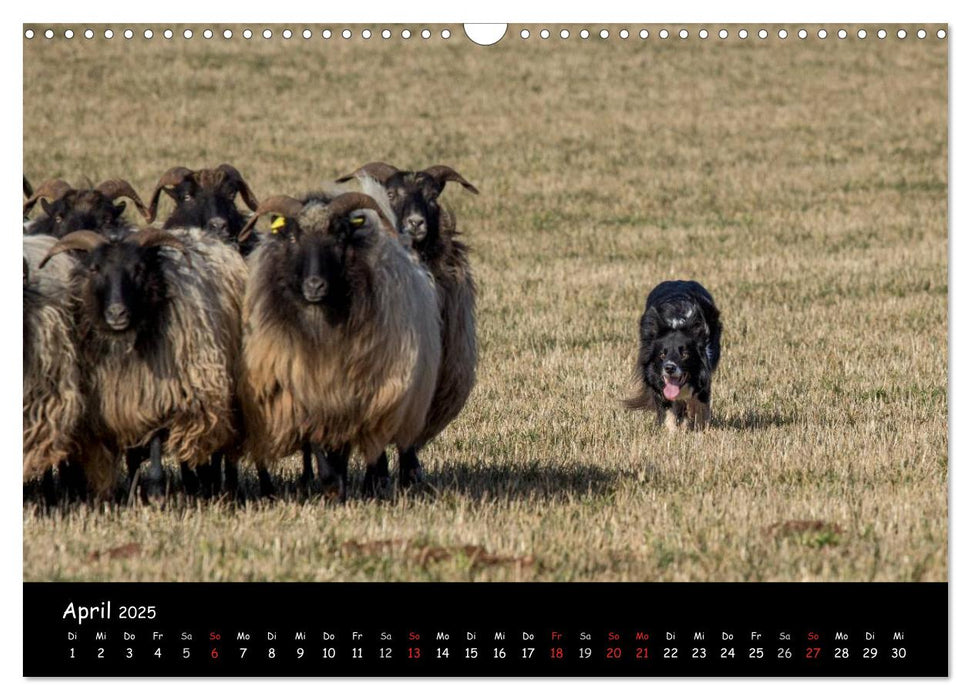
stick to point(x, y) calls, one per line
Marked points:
point(242, 188)
point(46, 206)
point(287, 207)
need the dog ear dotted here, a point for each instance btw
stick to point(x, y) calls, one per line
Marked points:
point(651, 324)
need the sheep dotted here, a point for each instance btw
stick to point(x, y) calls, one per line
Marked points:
point(158, 350)
point(205, 199)
point(341, 341)
point(206, 214)
point(67, 209)
point(53, 401)
point(414, 199)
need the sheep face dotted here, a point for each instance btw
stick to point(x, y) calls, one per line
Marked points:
point(209, 204)
point(323, 261)
point(120, 284)
point(206, 199)
point(124, 287)
point(77, 210)
point(67, 209)
point(414, 201)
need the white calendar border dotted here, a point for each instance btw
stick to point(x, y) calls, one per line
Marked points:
point(436, 11)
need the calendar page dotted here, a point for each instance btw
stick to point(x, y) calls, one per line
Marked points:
point(443, 350)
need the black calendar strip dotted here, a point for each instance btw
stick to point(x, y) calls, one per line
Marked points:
point(407, 629)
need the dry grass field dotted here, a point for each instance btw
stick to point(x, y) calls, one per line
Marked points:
point(803, 182)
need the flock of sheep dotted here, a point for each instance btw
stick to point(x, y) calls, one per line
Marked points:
point(348, 325)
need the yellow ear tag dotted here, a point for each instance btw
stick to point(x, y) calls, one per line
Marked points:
point(278, 223)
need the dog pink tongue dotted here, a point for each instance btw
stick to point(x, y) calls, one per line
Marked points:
point(671, 391)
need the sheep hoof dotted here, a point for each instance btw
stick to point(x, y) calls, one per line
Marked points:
point(336, 491)
point(190, 482)
point(266, 483)
point(376, 486)
point(154, 490)
point(410, 472)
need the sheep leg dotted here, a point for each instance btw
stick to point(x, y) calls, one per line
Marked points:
point(231, 480)
point(48, 488)
point(332, 468)
point(210, 475)
point(409, 469)
point(266, 483)
point(133, 460)
point(307, 478)
point(377, 480)
point(73, 483)
point(155, 480)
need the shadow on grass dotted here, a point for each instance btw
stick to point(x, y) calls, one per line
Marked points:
point(472, 481)
point(508, 482)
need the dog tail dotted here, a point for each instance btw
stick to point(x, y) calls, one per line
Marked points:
point(642, 400)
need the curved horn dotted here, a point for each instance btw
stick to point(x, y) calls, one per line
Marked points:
point(79, 240)
point(444, 173)
point(280, 204)
point(154, 237)
point(244, 191)
point(49, 189)
point(171, 178)
point(28, 190)
point(113, 189)
point(381, 172)
point(346, 203)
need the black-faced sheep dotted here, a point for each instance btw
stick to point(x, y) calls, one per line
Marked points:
point(341, 342)
point(157, 350)
point(414, 199)
point(206, 199)
point(67, 209)
point(53, 400)
point(206, 217)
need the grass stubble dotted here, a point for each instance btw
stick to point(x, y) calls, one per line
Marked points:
point(803, 182)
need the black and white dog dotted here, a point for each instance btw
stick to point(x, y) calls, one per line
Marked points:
point(680, 337)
